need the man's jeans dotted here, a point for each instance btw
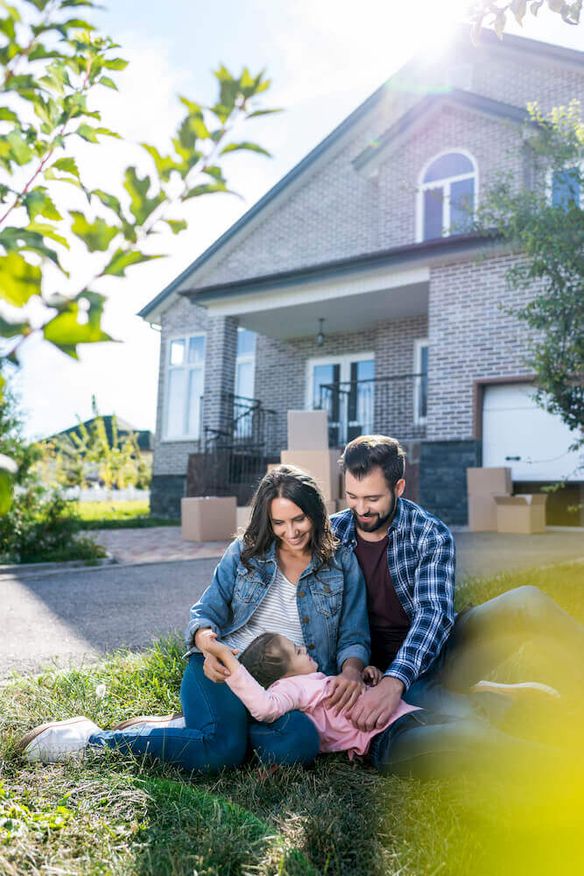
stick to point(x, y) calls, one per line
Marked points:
point(219, 731)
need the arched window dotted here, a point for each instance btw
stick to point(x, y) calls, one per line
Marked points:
point(447, 196)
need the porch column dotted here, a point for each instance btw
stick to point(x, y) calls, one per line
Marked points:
point(219, 371)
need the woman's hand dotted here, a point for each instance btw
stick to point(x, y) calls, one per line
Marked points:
point(372, 675)
point(214, 666)
point(345, 689)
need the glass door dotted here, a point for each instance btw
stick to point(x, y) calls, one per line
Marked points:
point(344, 386)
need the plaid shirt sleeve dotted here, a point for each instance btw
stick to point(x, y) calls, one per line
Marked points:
point(433, 616)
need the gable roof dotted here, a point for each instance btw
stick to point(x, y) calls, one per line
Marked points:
point(469, 100)
point(456, 97)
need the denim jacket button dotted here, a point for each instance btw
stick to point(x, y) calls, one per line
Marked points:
point(301, 593)
point(305, 619)
point(311, 646)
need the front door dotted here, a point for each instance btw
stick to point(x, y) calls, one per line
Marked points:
point(344, 386)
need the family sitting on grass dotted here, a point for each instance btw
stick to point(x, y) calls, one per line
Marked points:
point(321, 635)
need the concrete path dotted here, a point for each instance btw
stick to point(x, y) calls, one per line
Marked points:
point(66, 618)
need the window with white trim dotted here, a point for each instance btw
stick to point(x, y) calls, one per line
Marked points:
point(447, 196)
point(245, 363)
point(420, 381)
point(184, 387)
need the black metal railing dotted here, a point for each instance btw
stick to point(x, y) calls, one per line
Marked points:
point(237, 448)
point(395, 405)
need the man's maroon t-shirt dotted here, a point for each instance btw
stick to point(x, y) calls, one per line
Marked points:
point(387, 619)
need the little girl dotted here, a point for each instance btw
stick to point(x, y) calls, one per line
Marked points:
point(293, 681)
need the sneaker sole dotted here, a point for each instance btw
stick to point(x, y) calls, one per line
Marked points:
point(146, 719)
point(29, 737)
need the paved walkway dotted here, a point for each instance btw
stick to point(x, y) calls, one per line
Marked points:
point(479, 553)
point(155, 545)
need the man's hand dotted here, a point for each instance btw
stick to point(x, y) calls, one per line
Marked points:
point(346, 688)
point(377, 704)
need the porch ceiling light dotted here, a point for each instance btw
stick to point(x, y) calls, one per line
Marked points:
point(320, 335)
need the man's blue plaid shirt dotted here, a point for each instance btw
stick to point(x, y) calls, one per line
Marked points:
point(421, 560)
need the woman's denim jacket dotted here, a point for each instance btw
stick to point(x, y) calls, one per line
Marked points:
point(332, 604)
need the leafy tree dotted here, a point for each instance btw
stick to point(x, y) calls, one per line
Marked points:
point(52, 63)
point(498, 12)
point(549, 233)
point(95, 452)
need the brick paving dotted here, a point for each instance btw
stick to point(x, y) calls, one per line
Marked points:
point(155, 545)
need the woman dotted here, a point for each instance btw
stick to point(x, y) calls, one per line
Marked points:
point(286, 575)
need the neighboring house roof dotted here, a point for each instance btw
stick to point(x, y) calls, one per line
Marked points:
point(144, 437)
point(469, 100)
point(428, 250)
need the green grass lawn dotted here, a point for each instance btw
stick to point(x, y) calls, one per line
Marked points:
point(114, 815)
point(119, 515)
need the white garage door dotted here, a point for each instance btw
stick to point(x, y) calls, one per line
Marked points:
point(519, 434)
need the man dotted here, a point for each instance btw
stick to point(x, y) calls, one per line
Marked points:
point(407, 556)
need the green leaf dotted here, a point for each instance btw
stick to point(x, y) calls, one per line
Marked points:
point(66, 166)
point(6, 115)
point(108, 82)
point(204, 189)
point(19, 280)
point(176, 225)
point(96, 235)
point(263, 112)
point(249, 147)
point(12, 329)
point(164, 163)
point(91, 134)
point(115, 64)
point(77, 325)
point(123, 259)
point(20, 151)
point(39, 203)
point(108, 201)
point(141, 206)
point(5, 486)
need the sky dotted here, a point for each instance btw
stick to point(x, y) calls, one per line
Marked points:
point(324, 58)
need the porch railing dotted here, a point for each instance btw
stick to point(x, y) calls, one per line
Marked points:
point(395, 405)
point(237, 448)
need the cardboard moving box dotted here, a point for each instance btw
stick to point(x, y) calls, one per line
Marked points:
point(523, 514)
point(488, 481)
point(482, 514)
point(307, 430)
point(208, 518)
point(321, 464)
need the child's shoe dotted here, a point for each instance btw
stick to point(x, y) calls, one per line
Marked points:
point(175, 720)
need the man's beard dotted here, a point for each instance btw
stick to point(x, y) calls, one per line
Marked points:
point(377, 521)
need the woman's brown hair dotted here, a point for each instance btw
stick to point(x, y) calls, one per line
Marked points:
point(288, 482)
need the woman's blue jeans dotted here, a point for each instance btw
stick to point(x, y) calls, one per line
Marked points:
point(219, 731)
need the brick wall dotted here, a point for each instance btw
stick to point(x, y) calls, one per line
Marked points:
point(471, 336)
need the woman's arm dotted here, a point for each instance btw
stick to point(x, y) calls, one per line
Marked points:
point(354, 640)
point(213, 609)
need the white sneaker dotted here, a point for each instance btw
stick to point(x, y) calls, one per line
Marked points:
point(175, 720)
point(57, 740)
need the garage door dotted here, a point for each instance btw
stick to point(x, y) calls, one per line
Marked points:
point(519, 434)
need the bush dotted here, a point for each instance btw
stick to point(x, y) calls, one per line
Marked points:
point(42, 526)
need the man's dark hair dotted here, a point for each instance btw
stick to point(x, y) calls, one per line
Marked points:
point(288, 482)
point(369, 451)
point(265, 659)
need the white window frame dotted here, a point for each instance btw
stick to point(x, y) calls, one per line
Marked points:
point(184, 436)
point(443, 184)
point(419, 345)
point(345, 363)
point(549, 182)
point(244, 359)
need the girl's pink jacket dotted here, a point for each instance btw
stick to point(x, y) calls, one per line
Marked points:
point(307, 693)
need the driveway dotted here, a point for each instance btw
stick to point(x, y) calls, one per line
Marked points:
point(66, 618)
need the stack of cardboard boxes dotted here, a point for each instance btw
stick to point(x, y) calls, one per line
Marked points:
point(492, 508)
point(308, 449)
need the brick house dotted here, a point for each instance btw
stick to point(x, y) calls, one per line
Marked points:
point(356, 284)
